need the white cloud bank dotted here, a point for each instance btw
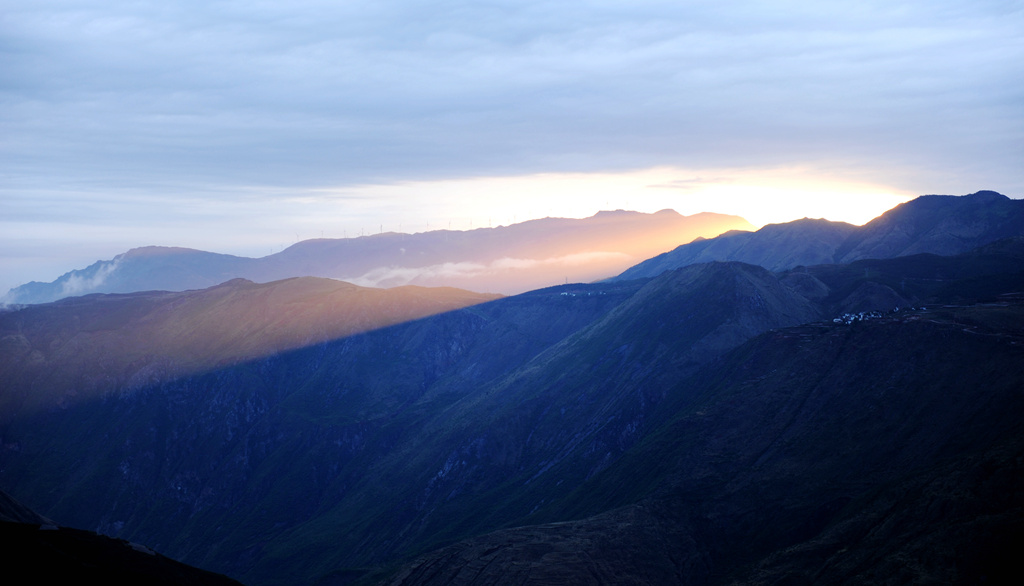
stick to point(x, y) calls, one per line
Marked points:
point(88, 281)
point(502, 269)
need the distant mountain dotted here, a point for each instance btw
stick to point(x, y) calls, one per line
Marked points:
point(709, 426)
point(506, 259)
point(936, 224)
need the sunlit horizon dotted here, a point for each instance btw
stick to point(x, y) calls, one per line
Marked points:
point(268, 221)
point(761, 197)
point(216, 127)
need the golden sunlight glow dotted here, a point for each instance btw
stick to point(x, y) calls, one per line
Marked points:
point(760, 196)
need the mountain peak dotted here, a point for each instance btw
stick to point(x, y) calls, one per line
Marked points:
point(939, 224)
point(143, 251)
point(986, 195)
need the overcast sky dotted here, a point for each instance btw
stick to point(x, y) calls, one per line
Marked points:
point(243, 126)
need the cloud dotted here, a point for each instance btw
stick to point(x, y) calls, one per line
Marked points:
point(90, 279)
point(321, 93)
point(397, 276)
point(692, 184)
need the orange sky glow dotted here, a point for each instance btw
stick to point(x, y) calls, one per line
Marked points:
point(762, 197)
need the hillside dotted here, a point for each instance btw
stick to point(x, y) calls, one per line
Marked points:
point(84, 348)
point(384, 403)
point(788, 461)
point(717, 424)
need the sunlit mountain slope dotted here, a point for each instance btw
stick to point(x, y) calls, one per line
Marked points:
point(88, 347)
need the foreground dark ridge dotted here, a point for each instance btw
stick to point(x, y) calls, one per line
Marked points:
point(36, 550)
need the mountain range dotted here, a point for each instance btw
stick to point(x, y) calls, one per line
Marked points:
point(505, 259)
point(937, 224)
point(716, 423)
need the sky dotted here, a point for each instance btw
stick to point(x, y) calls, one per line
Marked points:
point(245, 126)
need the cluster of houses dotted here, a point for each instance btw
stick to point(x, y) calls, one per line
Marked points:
point(849, 318)
point(581, 293)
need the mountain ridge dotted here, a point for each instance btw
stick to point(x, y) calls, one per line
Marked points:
point(504, 259)
point(939, 224)
point(717, 424)
point(364, 450)
point(36, 546)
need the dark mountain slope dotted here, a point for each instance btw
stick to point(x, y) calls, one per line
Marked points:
point(37, 550)
point(936, 224)
point(775, 247)
point(578, 404)
point(982, 274)
point(506, 259)
point(12, 511)
point(61, 555)
point(502, 452)
point(215, 467)
point(348, 452)
point(888, 451)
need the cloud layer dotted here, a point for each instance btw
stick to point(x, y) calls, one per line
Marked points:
point(321, 93)
point(502, 274)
